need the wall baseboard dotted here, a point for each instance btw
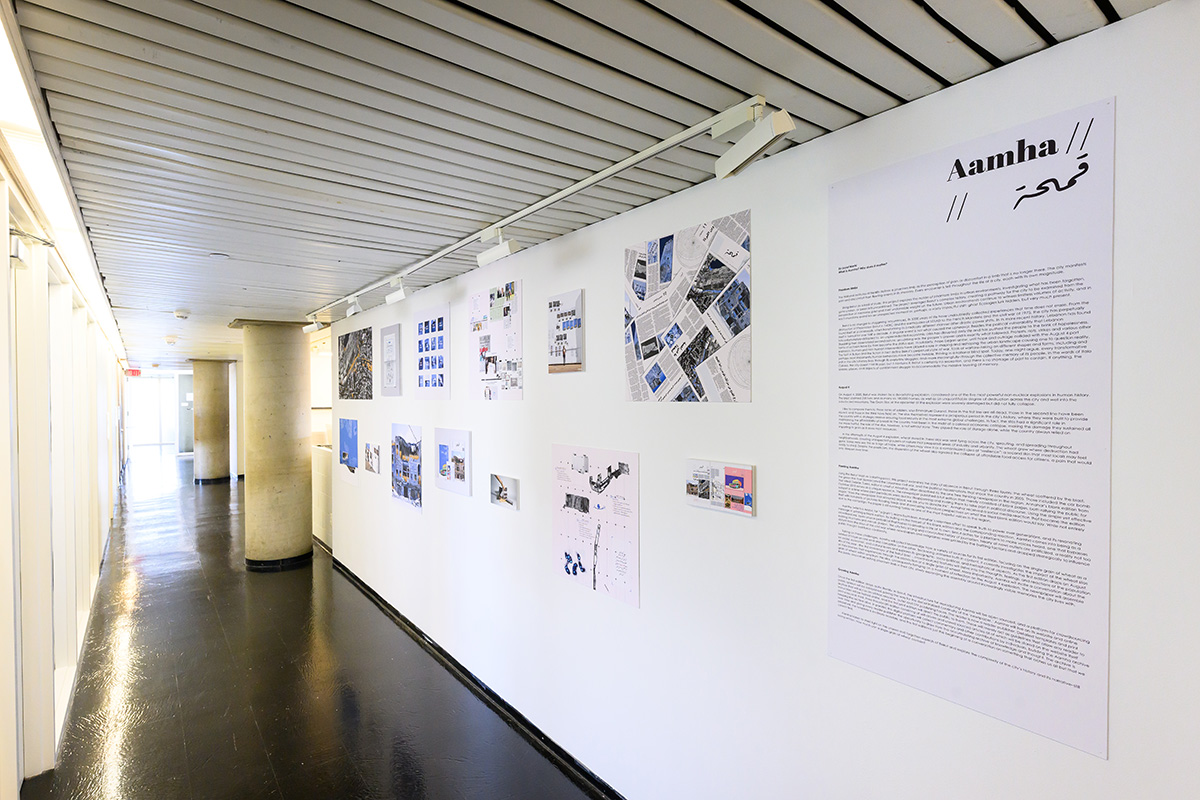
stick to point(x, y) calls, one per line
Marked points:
point(580, 775)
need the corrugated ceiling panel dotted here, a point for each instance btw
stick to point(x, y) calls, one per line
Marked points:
point(327, 145)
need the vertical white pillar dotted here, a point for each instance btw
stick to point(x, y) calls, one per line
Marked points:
point(83, 470)
point(11, 768)
point(62, 462)
point(210, 414)
point(278, 446)
point(95, 465)
point(34, 480)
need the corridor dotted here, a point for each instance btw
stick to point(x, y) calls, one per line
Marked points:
point(201, 680)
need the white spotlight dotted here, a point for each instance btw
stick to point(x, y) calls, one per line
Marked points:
point(396, 296)
point(765, 133)
point(312, 327)
point(506, 247)
point(353, 308)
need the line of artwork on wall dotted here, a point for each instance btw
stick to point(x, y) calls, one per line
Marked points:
point(495, 324)
point(687, 339)
point(354, 365)
point(687, 314)
point(687, 334)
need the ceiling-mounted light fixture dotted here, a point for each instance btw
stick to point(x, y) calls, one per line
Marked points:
point(766, 130)
point(506, 247)
point(219, 256)
point(353, 308)
point(18, 252)
point(399, 294)
point(313, 327)
point(182, 313)
point(171, 340)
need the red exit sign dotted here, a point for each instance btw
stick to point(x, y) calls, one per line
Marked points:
point(133, 373)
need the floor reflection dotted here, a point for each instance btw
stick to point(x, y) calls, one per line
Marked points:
point(201, 680)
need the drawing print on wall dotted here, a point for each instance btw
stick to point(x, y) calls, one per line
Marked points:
point(354, 365)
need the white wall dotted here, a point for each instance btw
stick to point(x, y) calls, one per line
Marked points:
point(62, 460)
point(60, 456)
point(719, 685)
point(33, 458)
point(10, 583)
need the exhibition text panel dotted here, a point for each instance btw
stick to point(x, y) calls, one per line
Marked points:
point(970, 402)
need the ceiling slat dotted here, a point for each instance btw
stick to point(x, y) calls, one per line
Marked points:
point(992, 24)
point(834, 35)
point(914, 32)
point(1066, 19)
point(1127, 8)
point(762, 44)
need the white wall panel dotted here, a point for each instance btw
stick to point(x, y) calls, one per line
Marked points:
point(719, 685)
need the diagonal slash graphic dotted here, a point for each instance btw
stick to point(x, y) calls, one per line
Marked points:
point(1085, 133)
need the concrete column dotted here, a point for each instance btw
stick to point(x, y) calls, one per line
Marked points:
point(238, 445)
point(278, 452)
point(210, 410)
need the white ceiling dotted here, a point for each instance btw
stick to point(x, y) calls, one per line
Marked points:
point(324, 144)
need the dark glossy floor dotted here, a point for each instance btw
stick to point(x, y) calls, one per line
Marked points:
point(200, 680)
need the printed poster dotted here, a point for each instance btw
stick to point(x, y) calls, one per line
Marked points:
point(389, 360)
point(432, 353)
point(687, 314)
point(720, 487)
point(371, 457)
point(453, 460)
point(596, 529)
point(406, 464)
point(354, 365)
point(970, 384)
point(565, 331)
point(505, 491)
point(495, 322)
point(348, 442)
